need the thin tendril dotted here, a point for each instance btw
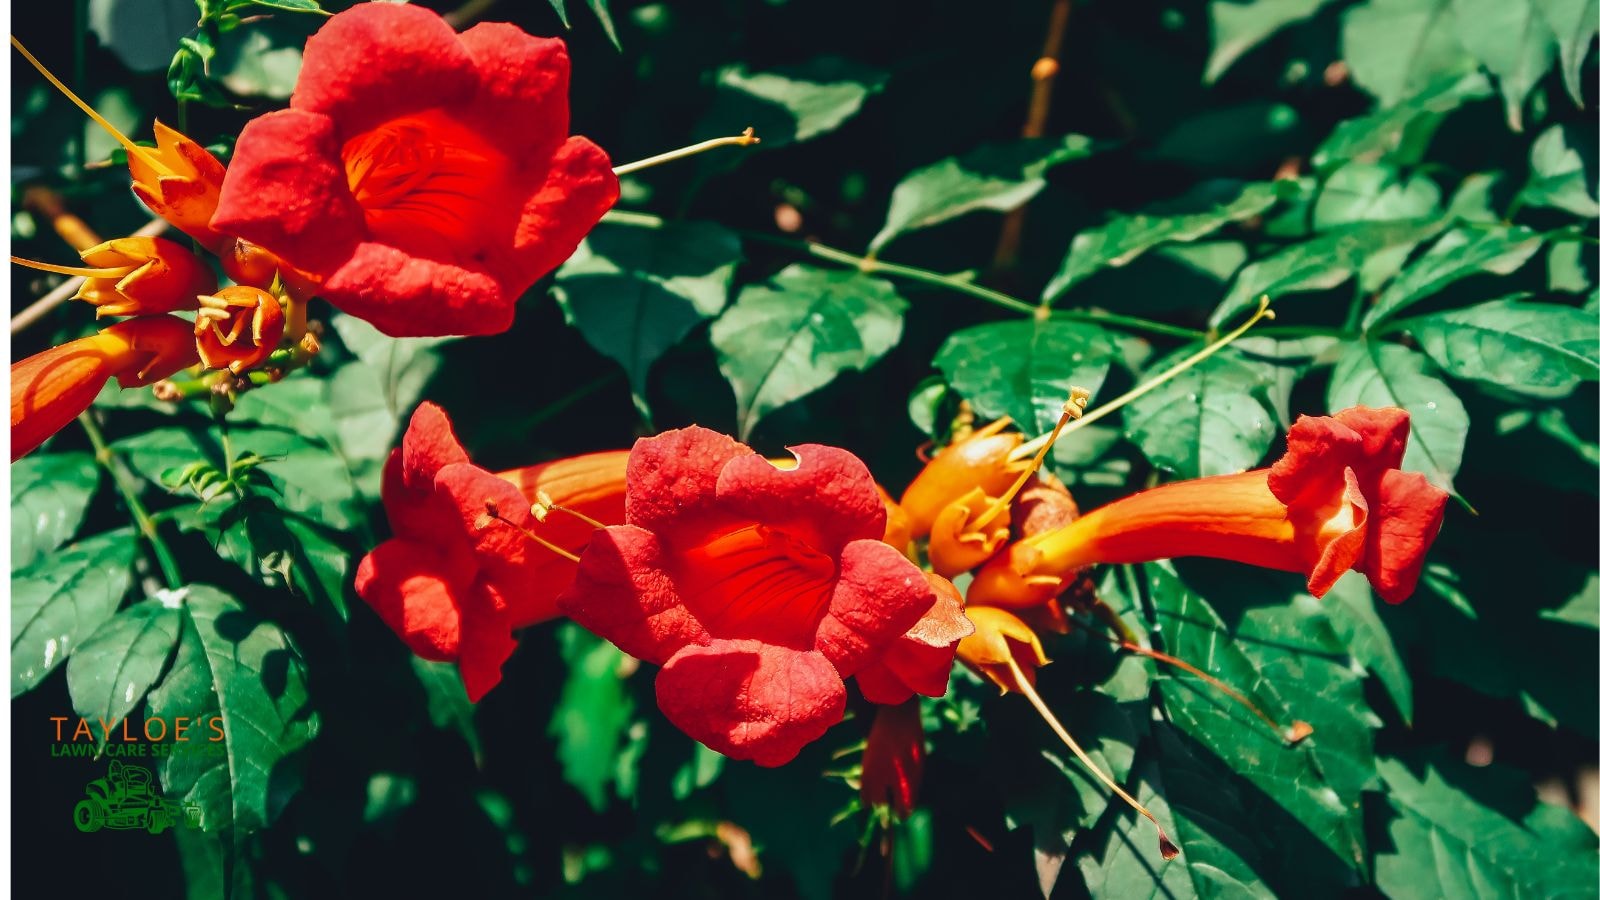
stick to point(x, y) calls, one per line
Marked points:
point(78, 271)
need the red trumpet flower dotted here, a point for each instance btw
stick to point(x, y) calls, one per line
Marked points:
point(423, 178)
point(1335, 501)
point(757, 589)
point(461, 572)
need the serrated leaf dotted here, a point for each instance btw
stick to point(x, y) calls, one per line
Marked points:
point(1356, 621)
point(402, 366)
point(1400, 134)
point(1195, 215)
point(1562, 161)
point(314, 480)
point(1318, 264)
point(1373, 192)
point(49, 493)
point(1447, 842)
point(1574, 24)
point(110, 672)
point(591, 716)
point(1025, 370)
point(1286, 655)
point(1238, 27)
point(153, 453)
point(635, 290)
point(1460, 253)
point(1376, 374)
point(1209, 420)
point(996, 177)
point(1396, 48)
point(232, 664)
point(1221, 855)
point(784, 339)
point(278, 549)
point(1540, 349)
point(59, 601)
point(789, 104)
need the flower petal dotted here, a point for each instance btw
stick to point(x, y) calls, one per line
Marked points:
point(579, 187)
point(429, 445)
point(879, 597)
point(1320, 448)
point(417, 590)
point(749, 700)
point(378, 61)
point(522, 87)
point(623, 593)
point(486, 642)
point(907, 668)
point(828, 500)
point(286, 190)
point(672, 479)
point(410, 296)
point(1338, 539)
point(1383, 435)
point(1409, 512)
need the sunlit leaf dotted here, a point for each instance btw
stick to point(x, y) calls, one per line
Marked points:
point(1377, 374)
point(1209, 420)
point(49, 493)
point(59, 601)
point(110, 672)
point(1459, 254)
point(1533, 348)
point(1025, 370)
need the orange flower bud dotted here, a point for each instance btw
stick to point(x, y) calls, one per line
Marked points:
point(981, 460)
point(237, 328)
point(891, 769)
point(1044, 504)
point(165, 276)
point(180, 181)
point(1000, 647)
point(51, 388)
point(255, 266)
point(897, 528)
point(961, 540)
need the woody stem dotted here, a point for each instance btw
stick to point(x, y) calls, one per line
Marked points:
point(1028, 691)
point(130, 496)
point(739, 140)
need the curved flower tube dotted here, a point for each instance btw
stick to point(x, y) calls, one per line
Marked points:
point(161, 276)
point(461, 573)
point(423, 179)
point(980, 461)
point(181, 182)
point(51, 388)
point(891, 767)
point(1335, 501)
point(757, 589)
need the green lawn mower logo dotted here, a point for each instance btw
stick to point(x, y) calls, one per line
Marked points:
point(127, 798)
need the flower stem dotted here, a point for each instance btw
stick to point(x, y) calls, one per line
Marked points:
point(739, 140)
point(130, 496)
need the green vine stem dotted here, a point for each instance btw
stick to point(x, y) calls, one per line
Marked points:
point(129, 490)
point(927, 276)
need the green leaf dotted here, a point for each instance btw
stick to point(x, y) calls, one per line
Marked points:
point(49, 493)
point(1400, 134)
point(1222, 854)
point(782, 340)
point(1195, 215)
point(1286, 655)
point(1209, 420)
point(233, 665)
point(1574, 23)
point(1511, 39)
point(592, 715)
point(1238, 27)
point(60, 600)
point(789, 104)
point(448, 706)
point(402, 366)
point(278, 549)
point(1025, 370)
point(1318, 264)
point(635, 289)
point(1373, 192)
point(1374, 373)
point(370, 399)
point(1397, 48)
point(1567, 271)
point(1582, 609)
point(1360, 628)
point(1460, 253)
point(110, 673)
point(314, 480)
point(1540, 349)
point(1452, 836)
point(152, 454)
point(1563, 171)
point(997, 177)
point(141, 33)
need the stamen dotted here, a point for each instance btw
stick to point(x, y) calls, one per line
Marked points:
point(741, 140)
point(1262, 312)
point(78, 271)
point(1072, 409)
point(133, 149)
point(492, 511)
point(1168, 848)
point(547, 505)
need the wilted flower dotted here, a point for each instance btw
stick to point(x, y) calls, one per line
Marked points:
point(461, 571)
point(1335, 501)
point(423, 178)
point(757, 589)
point(51, 388)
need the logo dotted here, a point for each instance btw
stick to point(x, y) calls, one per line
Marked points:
point(127, 798)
